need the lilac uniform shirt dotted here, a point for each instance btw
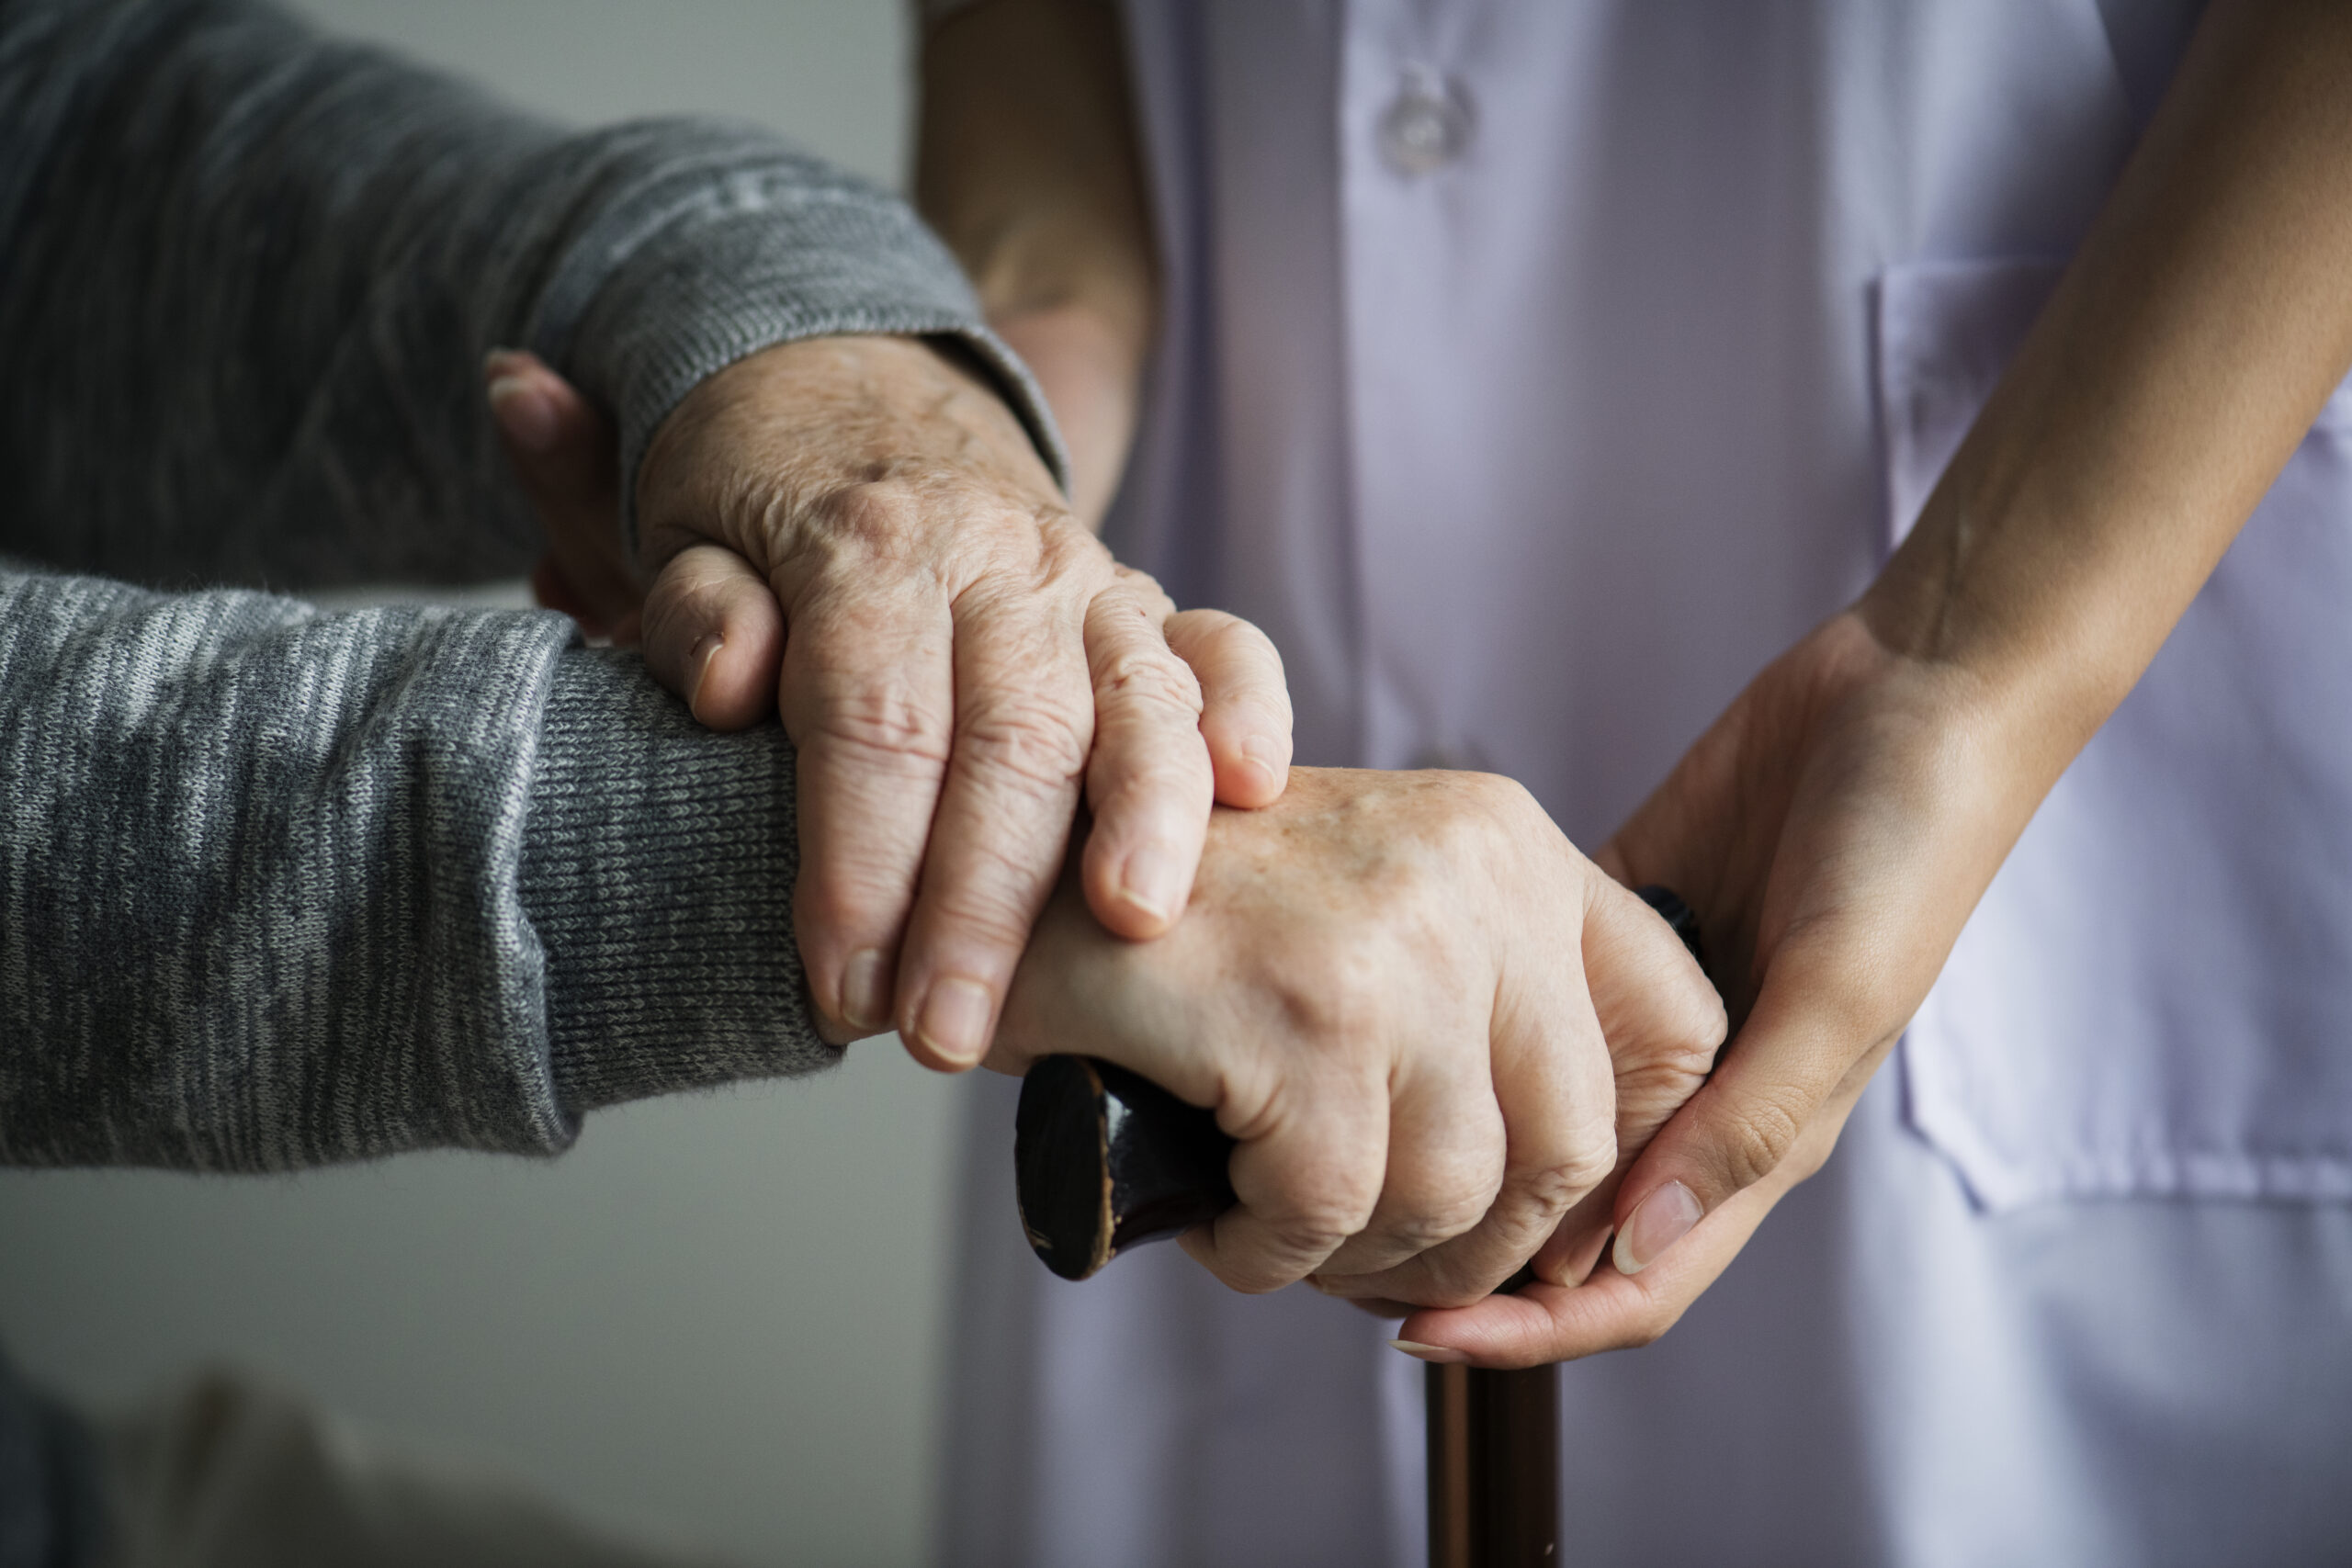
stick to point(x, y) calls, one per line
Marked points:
point(1534, 372)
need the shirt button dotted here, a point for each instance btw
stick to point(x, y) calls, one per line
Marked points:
point(1426, 125)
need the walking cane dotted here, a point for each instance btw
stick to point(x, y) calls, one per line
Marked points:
point(1104, 1160)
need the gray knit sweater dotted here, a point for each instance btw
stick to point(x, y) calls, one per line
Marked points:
point(280, 887)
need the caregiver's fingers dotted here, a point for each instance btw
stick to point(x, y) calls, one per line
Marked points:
point(1147, 779)
point(714, 635)
point(1244, 711)
point(1609, 1311)
point(1819, 1013)
point(868, 695)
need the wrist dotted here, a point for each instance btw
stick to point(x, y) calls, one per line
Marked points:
point(1088, 364)
point(776, 433)
point(2042, 638)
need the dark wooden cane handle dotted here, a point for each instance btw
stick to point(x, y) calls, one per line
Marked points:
point(1104, 1160)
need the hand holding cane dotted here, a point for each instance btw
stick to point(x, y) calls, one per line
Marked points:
point(1105, 1160)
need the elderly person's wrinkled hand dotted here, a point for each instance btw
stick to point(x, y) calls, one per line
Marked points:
point(859, 532)
point(1419, 1009)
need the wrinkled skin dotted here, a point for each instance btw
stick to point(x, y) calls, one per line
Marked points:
point(1426, 1017)
point(857, 534)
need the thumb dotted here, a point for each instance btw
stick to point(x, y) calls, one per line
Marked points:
point(1815, 1028)
point(562, 452)
point(714, 635)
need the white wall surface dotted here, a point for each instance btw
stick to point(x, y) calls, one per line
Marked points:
point(718, 1319)
point(830, 73)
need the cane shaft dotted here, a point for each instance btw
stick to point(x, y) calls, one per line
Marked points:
point(1106, 1160)
point(1494, 1467)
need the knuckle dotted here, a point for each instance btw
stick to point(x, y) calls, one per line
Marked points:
point(1068, 547)
point(1143, 590)
point(873, 517)
point(1027, 736)
point(1324, 1201)
point(850, 900)
point(1312, 1218)
point(1316, 1225)
point(1246, 641)
point(1554, 1186)
point(1491, 814)
point(990, 925)
point(881, 717)
point(1497, 793)
point(1132, 801)
point(992, 897)
point(1259, 1274)
point(1321, 990)
point(1693, 1040)
point(1760, 1140)
point(1149, 677)
point(1433, 1220)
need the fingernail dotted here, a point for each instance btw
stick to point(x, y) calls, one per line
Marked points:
point(1266, 756)
point(498, 361)
point(954, 1019)
point(865, 1004)
point(1438, 1353)
point(524, 411)
point(700, 657)
point(1150, 881)
point(1665, 1217)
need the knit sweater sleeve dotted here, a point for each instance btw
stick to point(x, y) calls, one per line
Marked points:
point(248, 274)
point(280, 887)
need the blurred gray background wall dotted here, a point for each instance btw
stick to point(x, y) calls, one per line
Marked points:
point(718, 1319)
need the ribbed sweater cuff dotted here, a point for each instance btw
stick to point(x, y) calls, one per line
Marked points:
point(778, 263)
point(657, 863)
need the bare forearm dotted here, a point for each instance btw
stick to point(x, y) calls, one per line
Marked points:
point(2189, 347)
point(1026, 163)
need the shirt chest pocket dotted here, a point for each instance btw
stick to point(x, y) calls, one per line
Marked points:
point(2154, 998)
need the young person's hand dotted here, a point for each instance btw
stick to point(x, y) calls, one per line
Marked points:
point(1837, 826)
point(1834, 829)
point(962, 659)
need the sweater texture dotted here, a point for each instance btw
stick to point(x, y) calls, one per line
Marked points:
point(281, 887)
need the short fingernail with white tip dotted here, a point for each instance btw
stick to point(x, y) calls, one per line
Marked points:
point(865, 998)
point(954, 1019)
point(1151, 882)
point(1665, 1217)
point(1437, 1353)
point(1266, 756)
